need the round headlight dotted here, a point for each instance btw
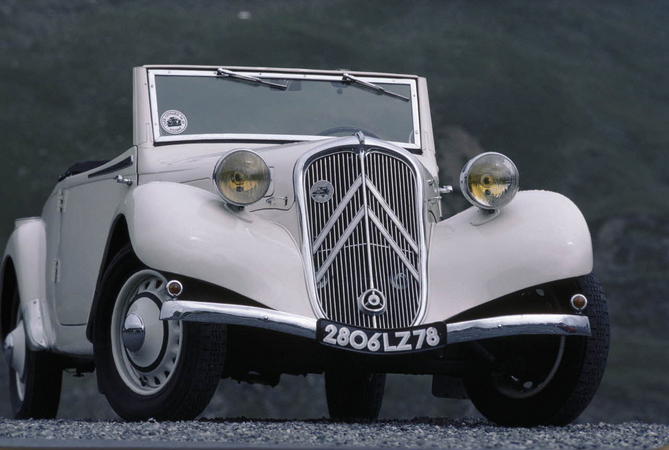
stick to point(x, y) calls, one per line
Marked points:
point(242, 177)
point(489, 180)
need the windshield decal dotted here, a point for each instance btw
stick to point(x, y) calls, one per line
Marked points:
point(173, 121)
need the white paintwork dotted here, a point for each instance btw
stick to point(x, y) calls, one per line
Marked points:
point(185, 230)
point(539, 237)
point(27, 249)
point(88, 212)
point(57, 258)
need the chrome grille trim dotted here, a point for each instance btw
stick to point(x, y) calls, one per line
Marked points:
point(400, 254)
point(335, 215)
point(369, 235)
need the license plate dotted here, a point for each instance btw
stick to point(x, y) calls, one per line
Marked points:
point(365, 340)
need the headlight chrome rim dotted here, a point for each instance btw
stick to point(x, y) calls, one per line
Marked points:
point(242, 177)
point(489, 181)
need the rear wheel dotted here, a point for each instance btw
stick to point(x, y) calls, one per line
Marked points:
point(35, 378)
point(354, 395)
point(148, 368)
point(544, 380)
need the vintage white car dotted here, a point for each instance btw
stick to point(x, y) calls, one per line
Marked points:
point(283, 221)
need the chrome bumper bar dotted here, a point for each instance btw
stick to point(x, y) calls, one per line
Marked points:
point(268, 319)
point(555, 324)
point(471, 330)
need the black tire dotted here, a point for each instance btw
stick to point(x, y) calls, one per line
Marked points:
point(565, 372)
point(36, 395)
point(354, 395)
point(174, 372)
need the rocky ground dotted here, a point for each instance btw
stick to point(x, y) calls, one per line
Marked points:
point(417, 433)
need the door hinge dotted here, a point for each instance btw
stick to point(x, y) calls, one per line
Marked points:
point(61, 200)
point(55, 270)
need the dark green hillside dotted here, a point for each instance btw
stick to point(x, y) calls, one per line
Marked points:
point(577, 93)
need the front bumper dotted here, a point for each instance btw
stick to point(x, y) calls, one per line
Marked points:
point(471, 330)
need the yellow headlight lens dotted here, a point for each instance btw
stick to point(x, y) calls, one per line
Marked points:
point(242, 177)
point(489, 180)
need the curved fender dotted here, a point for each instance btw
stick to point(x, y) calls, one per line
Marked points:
point(186, 230)
point(539, 237)
point(27, 250)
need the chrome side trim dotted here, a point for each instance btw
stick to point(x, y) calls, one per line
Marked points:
point(551, 324)
point(127, 162)
point(471, 330)
point(268, 319)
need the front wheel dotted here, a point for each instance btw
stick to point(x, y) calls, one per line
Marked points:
point(544, 380)
point(148, 368)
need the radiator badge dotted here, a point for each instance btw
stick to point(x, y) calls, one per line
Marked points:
point(321, 191)
point(372, 302)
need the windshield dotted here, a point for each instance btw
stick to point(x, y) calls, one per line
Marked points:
point(191, 105)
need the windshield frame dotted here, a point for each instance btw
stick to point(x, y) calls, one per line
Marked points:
point(277, 75)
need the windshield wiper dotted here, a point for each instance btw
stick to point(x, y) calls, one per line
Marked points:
point(374, 87)
point(256, 80)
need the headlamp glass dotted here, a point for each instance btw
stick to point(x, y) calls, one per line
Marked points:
point(242, 177)
point(489, 181)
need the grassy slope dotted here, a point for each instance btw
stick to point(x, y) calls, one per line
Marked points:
point(576, 93)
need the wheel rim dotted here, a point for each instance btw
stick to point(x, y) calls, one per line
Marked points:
point(145, 349)
point(519, 384)
point(531, 364)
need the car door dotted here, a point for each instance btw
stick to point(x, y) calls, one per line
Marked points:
point(88, 206)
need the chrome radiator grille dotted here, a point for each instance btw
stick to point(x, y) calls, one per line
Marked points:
point(364, 232)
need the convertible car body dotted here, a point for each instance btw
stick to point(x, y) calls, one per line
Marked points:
point(284, 221)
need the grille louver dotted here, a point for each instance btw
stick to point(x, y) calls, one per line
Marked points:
point(364, 234)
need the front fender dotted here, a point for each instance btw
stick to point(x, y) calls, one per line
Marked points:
point(26, 249)
point(186, 230)
point(539, 237)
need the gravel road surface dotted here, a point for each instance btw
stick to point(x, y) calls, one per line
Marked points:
point(417, 433)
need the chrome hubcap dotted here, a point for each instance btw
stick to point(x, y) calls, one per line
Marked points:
point(133, 333)
point(145, 349)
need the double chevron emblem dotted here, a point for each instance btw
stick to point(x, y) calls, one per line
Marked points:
point(365, 216)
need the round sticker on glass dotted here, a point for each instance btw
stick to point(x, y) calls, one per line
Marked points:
point(173, 121)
